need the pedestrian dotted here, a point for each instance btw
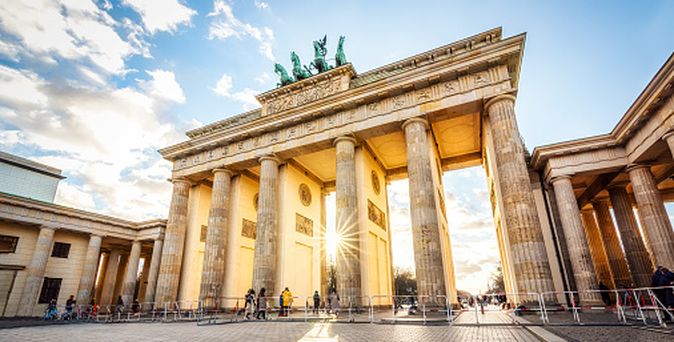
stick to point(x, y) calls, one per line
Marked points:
point(287, 301)
point(51, 312)
point(135, 307)
point(605, 297)
point(317, 301)
point(70, 304)
point(261, 304)
point(334, 303)
point(250, 303)
point(280, 304)
point(92, 309)
point(119, 307)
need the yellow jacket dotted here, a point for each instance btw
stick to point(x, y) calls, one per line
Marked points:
point(287, 298)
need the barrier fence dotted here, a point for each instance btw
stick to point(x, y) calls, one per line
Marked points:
point(650, 306)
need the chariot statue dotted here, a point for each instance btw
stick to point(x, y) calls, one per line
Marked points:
point(319, 63)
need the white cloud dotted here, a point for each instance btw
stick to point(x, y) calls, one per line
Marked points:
point(263, 78)
point(70, 29)
point(164, 15)
point(164, 85)
point(246, 96)
point(105, 139)
point(261, 4)
point(226, 25)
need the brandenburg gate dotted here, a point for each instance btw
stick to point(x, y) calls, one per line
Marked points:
point(248, 204)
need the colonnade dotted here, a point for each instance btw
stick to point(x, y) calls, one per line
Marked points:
point(118, 273)
point(594, 242)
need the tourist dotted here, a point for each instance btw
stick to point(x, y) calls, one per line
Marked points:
point(135, 307)
point(250, 303)
point(334, 303)
point(605, 297)
point(119, 307)
point(287, 301)
point(92, 309)
point(280, 304)
point(51, 312)
point(317, 301)
point(70, 304)
point(261, 304)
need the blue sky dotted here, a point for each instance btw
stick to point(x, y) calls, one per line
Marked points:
point(96, 87)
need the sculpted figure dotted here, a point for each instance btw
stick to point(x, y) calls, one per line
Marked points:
point(285, 79)
point(320, 51)
point(340, 57)
point(299, 72)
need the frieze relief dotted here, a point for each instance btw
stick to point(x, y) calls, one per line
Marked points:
point(376, 215)
point(304, 225)
point(385, 106)
point(316, 92)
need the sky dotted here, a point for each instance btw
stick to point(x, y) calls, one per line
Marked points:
point(96, 87)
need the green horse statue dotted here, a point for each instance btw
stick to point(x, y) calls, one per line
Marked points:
point(340, 57)
point(299, 72)
point(285, 79)
point(320, 51)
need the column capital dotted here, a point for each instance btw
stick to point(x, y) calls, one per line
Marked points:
point(499, 98)
point(560, 177)
point(345, 138)
point(632, 167)
point(416, 119)
point(620, 185)
point(668, 135)
point(50, 227)
point(181, 180)
point(599, 201)
point(271, 157)
point(223, 170)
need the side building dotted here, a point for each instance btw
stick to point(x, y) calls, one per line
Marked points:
point(49, 251)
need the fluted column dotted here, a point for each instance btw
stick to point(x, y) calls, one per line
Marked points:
point(653, 214)
point(581, 261)
point(346, 200)
point(131, 275)
point(264, 262)
point(213, 274)
point(88, 276)
point(174, 241)
point(597, 250)
point(110, 277)
point(154, 271)
point(529, 256)
point(35, 271)
point(635, 250)
point(423, 211)
point(614, 252)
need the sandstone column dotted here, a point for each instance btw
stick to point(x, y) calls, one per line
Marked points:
point(656, 225)
point(423, 212)
point(88, 277)
point(264, 262)
point(110, 278)
point(213, 273)
point(635, 250)
point(35, 271)
point(174, 242)
point(131, 275)
point(597, 250)
point(346, 200)
point(614, 252)
point(154, 271)
point(581, 262)
point(529, 256)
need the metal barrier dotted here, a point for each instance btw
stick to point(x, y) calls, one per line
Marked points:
point(503, 309)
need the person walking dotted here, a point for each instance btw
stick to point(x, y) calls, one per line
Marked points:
point(317, 302)
point(334, 303)
point(119, 307)
point(261, 304)
point(250, 304)
point(280, 304)
point(287, 301)
point(70, 305)
point(51, 312)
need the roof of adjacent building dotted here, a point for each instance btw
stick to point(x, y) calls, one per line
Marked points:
point(30, 165)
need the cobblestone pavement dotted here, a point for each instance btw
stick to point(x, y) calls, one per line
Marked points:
point(267, 331)
point(610, 333)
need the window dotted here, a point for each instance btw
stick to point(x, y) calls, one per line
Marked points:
point(8, 243)
point(61, 250)
point(50, 290)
